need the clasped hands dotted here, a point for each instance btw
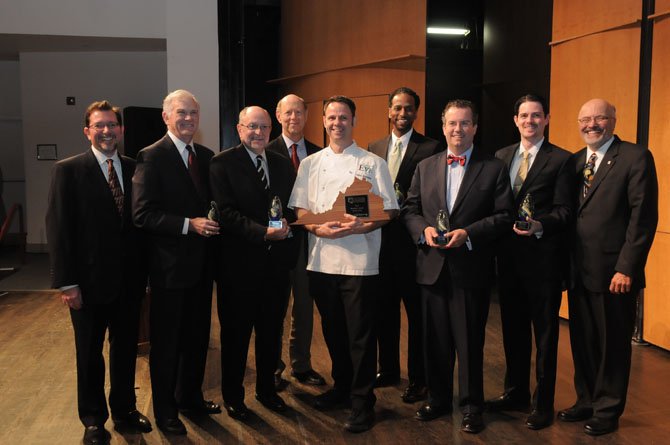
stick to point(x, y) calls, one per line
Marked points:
point(456, 238)
point(337, 229)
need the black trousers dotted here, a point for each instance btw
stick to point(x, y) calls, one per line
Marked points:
point(454, 326)
point(524, 305)
point(601, 326)
point(90, 324)
point(180, 322)
point(346, 304)
point(397, 281)
point(246, 303)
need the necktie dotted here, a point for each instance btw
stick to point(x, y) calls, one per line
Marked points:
point(588, 172)
point(522, 173)
point(451, 159)
point(261, 172)
point(295, 160)
point(193, 169)
point(115, 186)
point(395, 159)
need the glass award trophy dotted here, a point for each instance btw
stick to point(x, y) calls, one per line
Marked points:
point(442, 227)
point(526, 210)
point(275, 213)
point(399, 195)
point(213, 214)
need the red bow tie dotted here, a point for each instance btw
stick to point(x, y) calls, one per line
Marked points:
point(459, 159)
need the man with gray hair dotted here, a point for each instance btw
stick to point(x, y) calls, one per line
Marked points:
point(615, 222)
point(170, 202)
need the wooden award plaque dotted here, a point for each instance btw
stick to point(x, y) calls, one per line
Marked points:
point(357, 199)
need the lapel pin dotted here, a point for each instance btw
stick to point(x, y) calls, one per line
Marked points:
point(609, 162)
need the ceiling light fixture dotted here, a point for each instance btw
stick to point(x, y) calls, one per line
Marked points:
point(448, 31)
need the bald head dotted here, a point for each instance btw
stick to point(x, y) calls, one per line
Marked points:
point(254, 128)
point(597, 119)
point(292, 115)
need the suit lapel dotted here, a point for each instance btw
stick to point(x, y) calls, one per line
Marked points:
point(98, 181)
point(471, 172)
point(541, 160)
point(412, 146)
point(508, 155)
point(603, 169)
point(249, 168)
point(440, 173)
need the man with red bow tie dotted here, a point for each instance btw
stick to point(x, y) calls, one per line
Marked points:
point(455, 274)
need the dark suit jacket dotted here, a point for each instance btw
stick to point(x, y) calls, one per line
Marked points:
point(90, 244)
point(616, 222)
point(244, 204)
point(550, 181)
point(483, 207)
point(397, 244)
point(163, 195)
point(279, 146)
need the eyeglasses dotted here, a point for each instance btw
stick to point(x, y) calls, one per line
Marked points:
point(596, 119)
point(254, 127)
point(101, 126)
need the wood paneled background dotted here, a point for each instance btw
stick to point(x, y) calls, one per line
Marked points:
point(328, 51)
point(598, 55)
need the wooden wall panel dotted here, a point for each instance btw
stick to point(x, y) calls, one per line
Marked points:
point(319, 36)
point(659, 130)
point(602, 65)
point(575, 17)
point(656, 328)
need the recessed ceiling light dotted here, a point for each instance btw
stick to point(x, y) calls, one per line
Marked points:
point(448, 31)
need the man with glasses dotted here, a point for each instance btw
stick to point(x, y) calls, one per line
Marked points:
point(255, 258)
point(615, 222)
point(98, 263)
point(455, 265)
point(171, 199)
point(291, 143)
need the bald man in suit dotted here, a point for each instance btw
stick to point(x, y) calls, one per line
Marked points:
point(616, 217)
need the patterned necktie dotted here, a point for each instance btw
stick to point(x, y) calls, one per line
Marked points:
point(451, 159)
point(261, 172)
point(193, 170)
point(395, 159)
point(589, 172)
point(522, 173)
point(295, 160)
point(115, 186)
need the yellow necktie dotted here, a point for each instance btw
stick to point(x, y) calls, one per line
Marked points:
point(395, 159)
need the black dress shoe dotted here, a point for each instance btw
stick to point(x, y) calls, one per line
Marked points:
point(96, 435)
point(575, 414)
point(507, 402)
point(237, 411)
point(279, 382)
point(134, 420)
point(360, 419)
point(472, 423)
point(171, 426)
point(272, 402)
point(429, 411)
point(597, 426)
point(539, 419)
point(333, 398)
point(310, 377)
point(384, 379)
point(206, 407)
point(414, 393)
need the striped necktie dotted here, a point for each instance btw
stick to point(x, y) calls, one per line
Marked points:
point(261, 172)
point(115, 186)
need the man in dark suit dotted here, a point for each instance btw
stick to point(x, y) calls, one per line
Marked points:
point(292, 115)
point(531, 262)
point(255, 257)
point(170, 201)
point(615, 224)
point(402, 150)
point(455, 274)
point(97, 262)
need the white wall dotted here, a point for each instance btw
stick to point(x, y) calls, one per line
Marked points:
point(193, 60)
point(46, 79)
point(101, 18)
